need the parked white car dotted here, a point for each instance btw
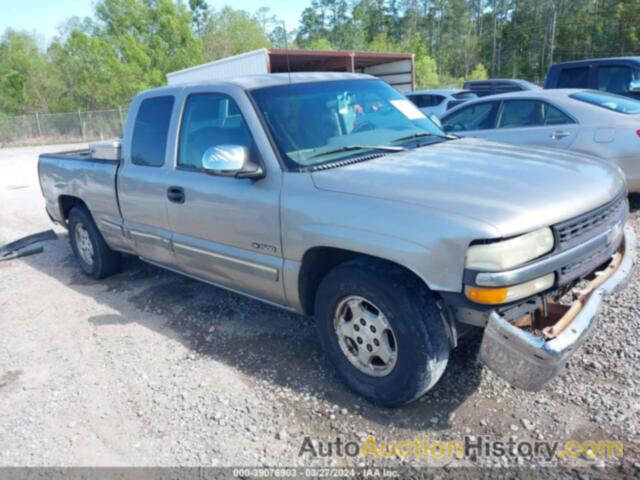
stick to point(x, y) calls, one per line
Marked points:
point(585, 121)
point(438, 101)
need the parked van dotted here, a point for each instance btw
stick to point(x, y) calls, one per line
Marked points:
point(616, 75)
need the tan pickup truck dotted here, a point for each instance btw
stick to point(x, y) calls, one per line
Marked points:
point(332, 195)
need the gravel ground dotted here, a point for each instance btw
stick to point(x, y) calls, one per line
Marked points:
point(148, 368)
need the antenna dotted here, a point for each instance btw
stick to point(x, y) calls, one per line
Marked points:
point(286, 49)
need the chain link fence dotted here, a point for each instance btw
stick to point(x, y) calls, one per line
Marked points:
point(46, 128)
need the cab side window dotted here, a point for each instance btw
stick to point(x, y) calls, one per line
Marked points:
point(151, 130)
point(480, 116)
point(615, 78)
point(210, 120)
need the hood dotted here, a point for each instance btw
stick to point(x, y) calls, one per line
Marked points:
point(511, 188)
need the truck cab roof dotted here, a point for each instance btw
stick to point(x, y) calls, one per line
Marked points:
point(589, 61)
point(251, 82)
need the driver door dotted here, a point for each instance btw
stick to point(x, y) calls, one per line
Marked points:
point(225, 230)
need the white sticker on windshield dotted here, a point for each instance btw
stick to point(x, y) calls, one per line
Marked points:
point(408, 109)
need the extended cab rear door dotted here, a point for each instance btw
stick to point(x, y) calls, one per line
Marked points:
point(142, 180)
point(225, 229)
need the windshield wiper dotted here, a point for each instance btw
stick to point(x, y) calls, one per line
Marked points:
point(420, 135)
point(350, 148)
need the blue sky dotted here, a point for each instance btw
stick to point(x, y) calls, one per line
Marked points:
point(44, 16)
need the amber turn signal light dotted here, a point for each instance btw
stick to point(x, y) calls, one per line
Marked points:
point(487, 296)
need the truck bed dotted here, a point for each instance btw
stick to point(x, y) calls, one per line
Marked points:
point(84, 154)
point(80, 154)
point(72, 177)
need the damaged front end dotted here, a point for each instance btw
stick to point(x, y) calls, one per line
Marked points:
point(537, 312)
point(531, 350)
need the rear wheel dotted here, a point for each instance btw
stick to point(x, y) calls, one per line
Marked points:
point(382, 330)
point(92, 253)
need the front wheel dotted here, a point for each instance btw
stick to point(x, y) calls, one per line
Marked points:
point(382, 330)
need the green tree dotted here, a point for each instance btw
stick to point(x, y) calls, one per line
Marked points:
point(319, 43)
point(154, 34)
point(382, 43)
point(200, 14)
point(129, 46)
point(479, 72)
point(27, 80)
point(93, 74)
point(230, 32)
point(426, 70)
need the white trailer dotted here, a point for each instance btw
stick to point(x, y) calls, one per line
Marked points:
point(397, 69)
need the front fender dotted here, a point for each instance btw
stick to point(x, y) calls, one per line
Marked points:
point(430, 243)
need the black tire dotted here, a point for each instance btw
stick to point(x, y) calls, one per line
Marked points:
point(105, 261)
point(411, 311)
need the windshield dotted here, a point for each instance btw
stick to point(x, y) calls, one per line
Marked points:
point(609, 101)
point(315, 123)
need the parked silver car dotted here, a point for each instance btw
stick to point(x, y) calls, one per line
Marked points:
point(584, 121)
point(438, 101)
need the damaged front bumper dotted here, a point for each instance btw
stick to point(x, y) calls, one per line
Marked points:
point(529, 361)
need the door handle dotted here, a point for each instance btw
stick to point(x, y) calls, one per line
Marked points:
point(559, 134)
point(175, 194)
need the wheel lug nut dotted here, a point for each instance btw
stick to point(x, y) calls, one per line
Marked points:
point(369, 347)
point(356, 328)
point(360, 340)
point(373, 329)
point(376, 342)
point(362, 322)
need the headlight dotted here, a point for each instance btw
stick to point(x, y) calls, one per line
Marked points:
point(496, 296)
point(506, 254)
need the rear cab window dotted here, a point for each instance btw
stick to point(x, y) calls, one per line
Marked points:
point(151, 131)
point(577, 77)
point(610, 101)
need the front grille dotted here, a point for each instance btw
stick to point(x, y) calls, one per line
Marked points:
point(584, 227)
point(587, 264)
point(590, 224)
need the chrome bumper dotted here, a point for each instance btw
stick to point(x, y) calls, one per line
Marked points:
point(529, 362)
